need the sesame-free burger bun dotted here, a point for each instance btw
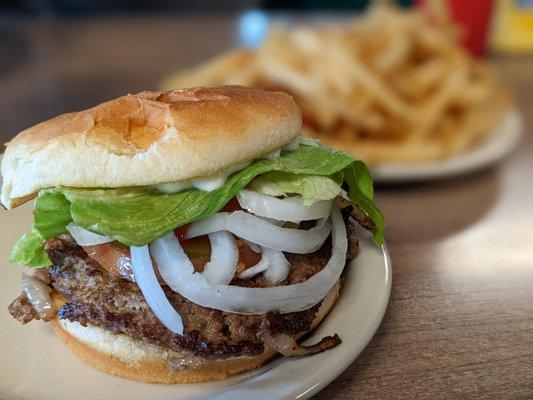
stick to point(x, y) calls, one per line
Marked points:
point(129, 358)
point(148, 138)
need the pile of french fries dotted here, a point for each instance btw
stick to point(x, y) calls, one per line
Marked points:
point(390, 87)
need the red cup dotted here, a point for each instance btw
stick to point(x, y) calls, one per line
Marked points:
point(474, 17)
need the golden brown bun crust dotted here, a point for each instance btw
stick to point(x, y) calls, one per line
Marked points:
point(133, 359)
point(149, 138)
point(155, 370)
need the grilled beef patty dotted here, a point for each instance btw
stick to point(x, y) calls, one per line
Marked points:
point(95, 296)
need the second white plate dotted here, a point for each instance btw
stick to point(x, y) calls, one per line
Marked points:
point(501, 142)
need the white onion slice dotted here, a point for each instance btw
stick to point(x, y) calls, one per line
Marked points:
point(273, 262)
point(213, 223)
point(216, 223)
point(38, 294)
point(172, 262)
point(261, 266)
point(266, 234)
point(86, 238)
point(279, 267)
point(263, 232)
point(245, 300)
point(288, 209)
point(152, 291)
point(224, 258)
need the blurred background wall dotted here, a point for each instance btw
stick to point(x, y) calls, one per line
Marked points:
point(101, 6)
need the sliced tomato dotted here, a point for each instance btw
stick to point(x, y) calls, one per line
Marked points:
point(114, 257)
point(181, 232)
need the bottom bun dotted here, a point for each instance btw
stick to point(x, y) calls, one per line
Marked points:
point(123, 356)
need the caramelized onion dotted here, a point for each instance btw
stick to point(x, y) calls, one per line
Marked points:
point(286, 345)
point(38, 294)
point(365, 221)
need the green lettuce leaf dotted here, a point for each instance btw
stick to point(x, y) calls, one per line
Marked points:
point(360, 192)
point(137, 216)
point(52, 214)
point(29, 251)
point(312, 188)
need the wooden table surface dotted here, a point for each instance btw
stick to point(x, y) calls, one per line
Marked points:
point(460, 319)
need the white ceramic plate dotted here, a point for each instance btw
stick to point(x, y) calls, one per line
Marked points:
point(501, 142)
point(35, 365)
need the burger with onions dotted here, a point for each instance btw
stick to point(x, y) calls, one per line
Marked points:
point(184, 236)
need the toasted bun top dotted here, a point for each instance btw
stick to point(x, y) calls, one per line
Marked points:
point(148, 138)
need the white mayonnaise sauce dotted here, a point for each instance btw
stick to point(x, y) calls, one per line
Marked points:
point(207, 184)
point(173, 187)
point(218, 180)
point(273, 154)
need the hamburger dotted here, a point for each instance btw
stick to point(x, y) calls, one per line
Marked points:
point(184, 236)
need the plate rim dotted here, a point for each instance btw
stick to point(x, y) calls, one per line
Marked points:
point(370, 335)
